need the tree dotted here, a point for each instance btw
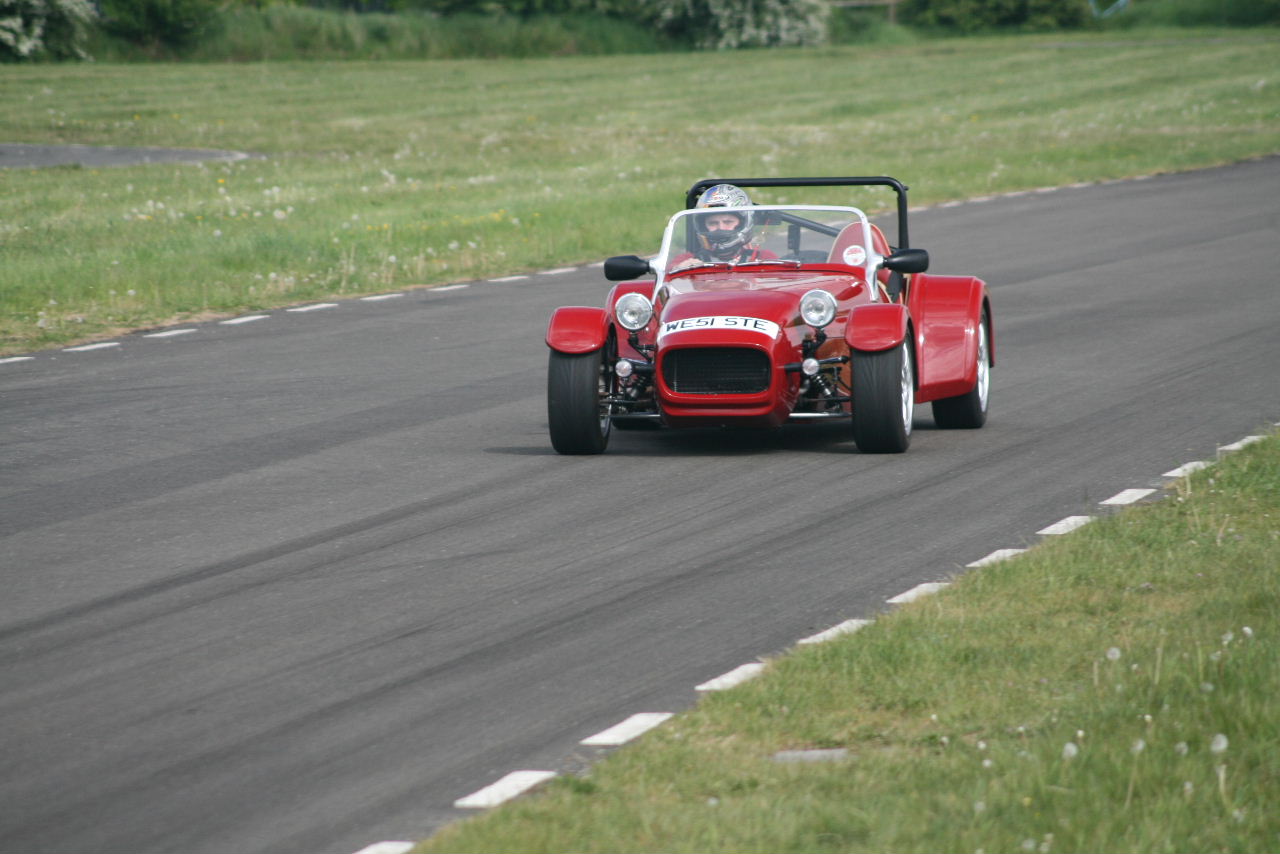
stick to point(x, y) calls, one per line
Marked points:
point(159, 23)
point(725, 24)
point(969, 16)
point(31, 29)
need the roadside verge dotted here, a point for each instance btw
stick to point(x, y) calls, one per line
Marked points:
point(1107, 690)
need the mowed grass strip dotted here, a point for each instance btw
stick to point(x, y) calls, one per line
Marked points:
point(380, 176)
point(1111, 690)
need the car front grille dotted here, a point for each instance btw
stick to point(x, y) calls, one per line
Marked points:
point(716, 370)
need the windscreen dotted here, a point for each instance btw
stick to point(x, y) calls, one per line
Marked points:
point(785, 235)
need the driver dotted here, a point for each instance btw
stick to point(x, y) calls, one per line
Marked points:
point(724, 237)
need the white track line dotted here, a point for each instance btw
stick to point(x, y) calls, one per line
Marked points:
point(557, 271)
point(248, 318)
point(1065, 526)
point(316, 307)
point(847, 627)
point(918, 592)
point(515, 783)
point(1128, 496)
point(995, 557)
point(84, 348)
point(387, 848)
point(1186, 469)
point(169, 333)
point(380, 297)
point(1247, 440)
point(633, 727)
point(12, 359)
point(447, 288)
point(509, 279)
point(736, 676)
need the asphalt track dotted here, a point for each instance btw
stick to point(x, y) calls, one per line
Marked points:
point(295, 585)
point(18, 155)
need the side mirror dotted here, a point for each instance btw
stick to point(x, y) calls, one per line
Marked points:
point(621, 268)
point(908, 261)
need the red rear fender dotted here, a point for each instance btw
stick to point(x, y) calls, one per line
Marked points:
point(876, 327)
point(578, 329)
point(948, 310)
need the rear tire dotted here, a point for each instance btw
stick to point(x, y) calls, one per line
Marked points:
point(883, 399)
point(968, 411)
point(577, 385)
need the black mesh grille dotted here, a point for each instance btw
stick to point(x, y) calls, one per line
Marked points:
point(716, 370)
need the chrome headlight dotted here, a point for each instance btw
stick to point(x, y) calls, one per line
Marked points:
point(818, 308)
point(634, 311)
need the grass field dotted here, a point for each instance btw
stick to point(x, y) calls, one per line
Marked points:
point(382, 176)
point(1111, 690)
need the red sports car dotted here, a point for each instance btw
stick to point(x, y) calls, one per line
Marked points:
point(758, 315)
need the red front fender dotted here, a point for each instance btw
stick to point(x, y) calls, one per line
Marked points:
point(578, 329)
point(876, 327)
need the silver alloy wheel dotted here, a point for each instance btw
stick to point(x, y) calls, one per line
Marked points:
point(907, 387)
point(602, 388)
point(984, 365)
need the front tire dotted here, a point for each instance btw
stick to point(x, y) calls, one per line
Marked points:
point(577, 385)
point(968, 411)
point(883, 399)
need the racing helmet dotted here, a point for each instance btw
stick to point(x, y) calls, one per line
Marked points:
point(724, 243)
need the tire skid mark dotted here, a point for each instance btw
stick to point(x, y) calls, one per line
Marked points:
point(83, 496)
point(249, 560)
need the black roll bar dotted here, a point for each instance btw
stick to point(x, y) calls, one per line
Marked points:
point(691, 198)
